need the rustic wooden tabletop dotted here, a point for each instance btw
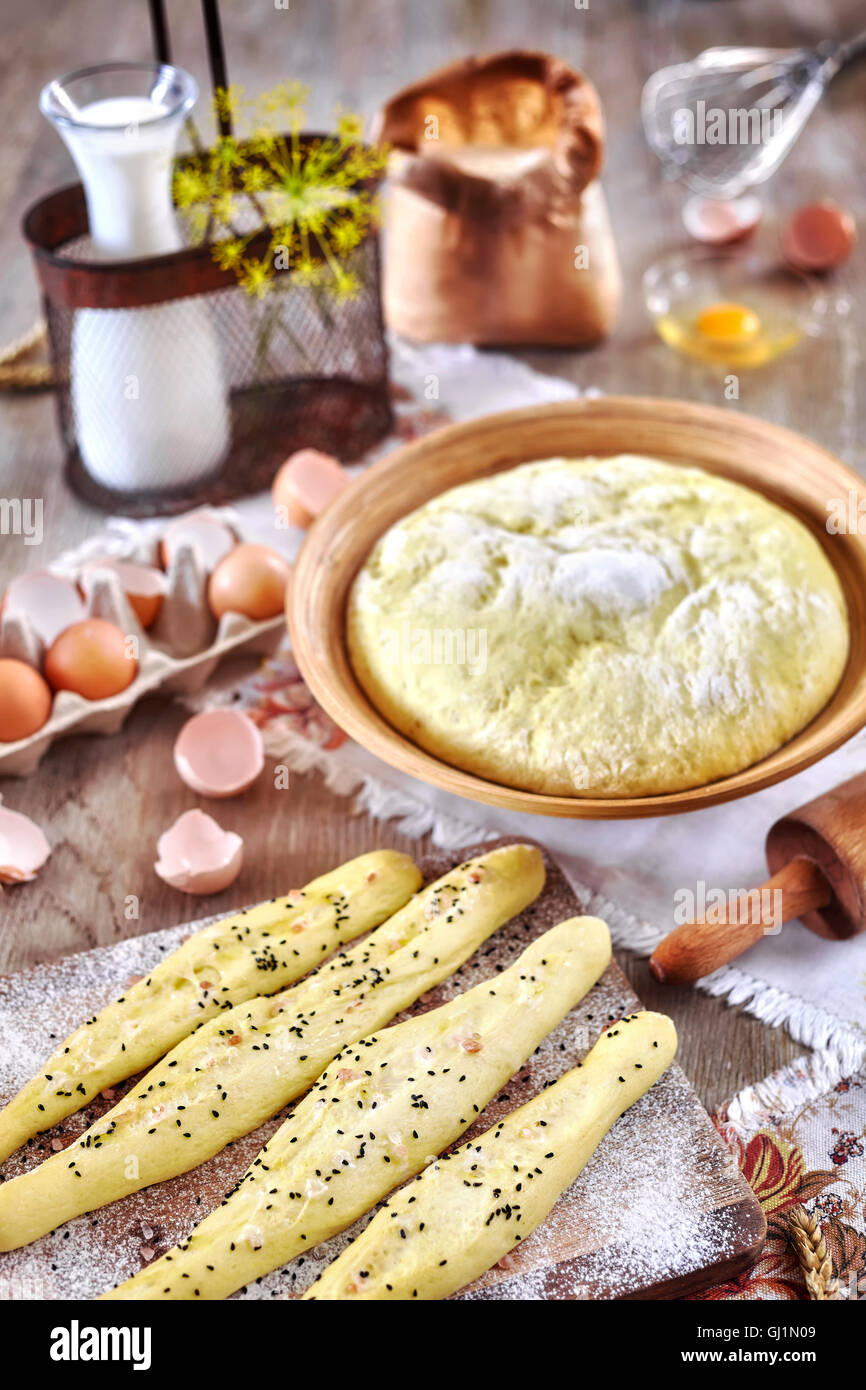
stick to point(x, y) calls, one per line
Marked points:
point(103, 802)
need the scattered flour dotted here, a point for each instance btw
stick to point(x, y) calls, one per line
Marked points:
point(649, 1207)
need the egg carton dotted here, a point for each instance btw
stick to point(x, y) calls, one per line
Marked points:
point(177, 655)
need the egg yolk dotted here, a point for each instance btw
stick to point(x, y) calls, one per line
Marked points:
point(731, 323)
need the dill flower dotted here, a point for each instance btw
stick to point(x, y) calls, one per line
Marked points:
point(311, 197)
point(255, 277)
point(229, 254)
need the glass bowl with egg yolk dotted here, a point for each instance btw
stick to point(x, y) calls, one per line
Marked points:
point(729, 307)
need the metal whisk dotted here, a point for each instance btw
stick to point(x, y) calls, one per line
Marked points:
point(726, 120)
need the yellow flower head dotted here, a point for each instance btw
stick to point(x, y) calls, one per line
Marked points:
point(349, 128)
point(191, 185)
point(283, 105)
point(309, 195)
point(346, 235)
point(227, 154)
point(346, 284)
point(228, 102)
point(229, 254)
point(255, 178)
point(255, 277)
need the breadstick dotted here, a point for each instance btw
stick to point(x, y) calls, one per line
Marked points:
point(239, 1069)
point(383, 1106)
point(471, 1207)
point(259, 950)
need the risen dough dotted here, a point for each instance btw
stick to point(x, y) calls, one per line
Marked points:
point(599, 627)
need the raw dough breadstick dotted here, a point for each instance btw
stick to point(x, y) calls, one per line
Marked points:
point(259, 950)
point(471, 1207)
point(383, 1106)
point(239, 1069)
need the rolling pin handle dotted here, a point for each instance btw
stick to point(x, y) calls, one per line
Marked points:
point(696, 949)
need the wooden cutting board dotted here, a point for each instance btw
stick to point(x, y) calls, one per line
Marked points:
point(660, 1211)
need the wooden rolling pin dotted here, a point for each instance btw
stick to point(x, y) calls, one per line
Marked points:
point(817, 859)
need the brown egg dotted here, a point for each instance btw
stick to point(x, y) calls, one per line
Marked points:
point(251, 580)
point(25, 701)
point(306, 484)
point(818, 236)
point(92, 658)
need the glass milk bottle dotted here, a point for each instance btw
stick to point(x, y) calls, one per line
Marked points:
point(149, 400)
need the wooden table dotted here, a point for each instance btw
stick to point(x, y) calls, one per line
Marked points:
point(104, 802)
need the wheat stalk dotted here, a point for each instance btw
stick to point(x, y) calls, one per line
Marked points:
point(808, 1240)
point(17, 375)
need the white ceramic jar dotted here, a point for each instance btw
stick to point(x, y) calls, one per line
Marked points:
point(148, 393)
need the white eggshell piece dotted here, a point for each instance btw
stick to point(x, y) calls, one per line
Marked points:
point(197, 856)
point(211, 539)
point(23, 847)
point(219, 753)
point(715, 222)
point(48, 602)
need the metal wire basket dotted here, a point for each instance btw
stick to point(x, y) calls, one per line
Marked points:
point(301, 369)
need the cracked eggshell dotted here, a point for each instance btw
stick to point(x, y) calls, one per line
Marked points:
point(210, 538)
point(717, 223)
point(23, 847)
point(48, 602)
point(197, 856)
point(143, 585)
point(219, 753)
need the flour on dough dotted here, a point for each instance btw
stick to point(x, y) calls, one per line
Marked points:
point(600, 627)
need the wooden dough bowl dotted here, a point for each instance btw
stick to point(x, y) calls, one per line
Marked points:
point(786, 467)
